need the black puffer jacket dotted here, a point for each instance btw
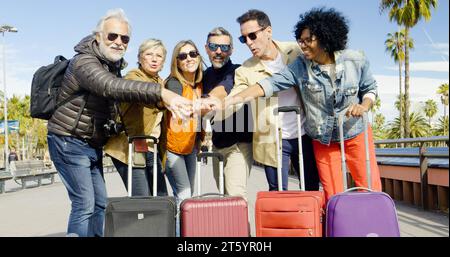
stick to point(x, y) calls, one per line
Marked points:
point(99, 81)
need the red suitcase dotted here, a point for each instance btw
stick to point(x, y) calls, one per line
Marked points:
point(214, 215)
point(289, 213)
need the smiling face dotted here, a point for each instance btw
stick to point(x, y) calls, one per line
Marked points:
point(259, 46)
point(152, 60)
point(190, 64)
point(219, 57)
point(310, 46)
point(113, 49)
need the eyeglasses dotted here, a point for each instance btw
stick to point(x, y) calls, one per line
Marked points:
point(113, 36)
point(213, 47)
point(252, 36)
point(183, 56)
point(307, 41)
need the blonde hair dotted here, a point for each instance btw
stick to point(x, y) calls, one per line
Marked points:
point(175, 70)
point(149, 44)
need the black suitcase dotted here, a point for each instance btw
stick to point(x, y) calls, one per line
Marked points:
point(152, 216)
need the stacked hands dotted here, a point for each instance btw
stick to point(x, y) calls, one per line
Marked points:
point(184, 109)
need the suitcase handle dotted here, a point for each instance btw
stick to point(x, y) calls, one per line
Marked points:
point(366, 145)
point(155, 165)
point(358, 188)
point(209, 154)
point(208, 194)
point(132, 138)
point(278, 138)
point(221, 175)
point(295, 109)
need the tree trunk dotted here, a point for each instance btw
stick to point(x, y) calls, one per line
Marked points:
point(401, 97)
point(407, 125)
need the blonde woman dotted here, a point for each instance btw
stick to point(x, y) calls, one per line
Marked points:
point(139, 119)
point(186, 74)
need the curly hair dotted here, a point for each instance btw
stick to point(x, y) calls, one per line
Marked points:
point(329, 26)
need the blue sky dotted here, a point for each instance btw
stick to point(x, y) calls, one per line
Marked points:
point(48, 28)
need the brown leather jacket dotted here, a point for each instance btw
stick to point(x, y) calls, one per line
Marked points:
point(99, 83)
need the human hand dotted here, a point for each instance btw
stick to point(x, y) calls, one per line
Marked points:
point(179, 106)
point(356, 110)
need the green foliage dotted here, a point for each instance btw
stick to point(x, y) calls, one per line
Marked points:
point(419, 127)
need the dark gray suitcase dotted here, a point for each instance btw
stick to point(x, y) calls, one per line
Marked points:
point(152, 216)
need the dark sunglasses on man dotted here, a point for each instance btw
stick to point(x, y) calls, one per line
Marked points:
point(113, 36)
point(252, 36)
point(183, 56)
point(213, 47)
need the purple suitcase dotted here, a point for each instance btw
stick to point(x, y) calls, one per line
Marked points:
point(360, 214)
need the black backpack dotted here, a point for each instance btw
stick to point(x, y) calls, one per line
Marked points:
point(45, 87)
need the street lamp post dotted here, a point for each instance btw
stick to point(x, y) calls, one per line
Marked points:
point(3, 29)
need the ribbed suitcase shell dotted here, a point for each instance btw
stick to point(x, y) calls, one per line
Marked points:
point(214, 217)
point(362, 214)
point(289, 214)
point(140, 217)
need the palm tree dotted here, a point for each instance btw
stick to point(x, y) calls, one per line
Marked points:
point(430, 109)
point(408, 13)
point(442, 126)
point(395, 45)
point(379, 131)
point(419, 127)
point(375, 107)
point(443, 91)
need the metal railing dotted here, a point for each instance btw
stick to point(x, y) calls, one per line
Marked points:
point(423, 156)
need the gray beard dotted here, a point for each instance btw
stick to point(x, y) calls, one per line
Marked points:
point(107, 52)
point(218, 66)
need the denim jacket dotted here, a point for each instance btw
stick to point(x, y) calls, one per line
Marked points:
point(322, 102)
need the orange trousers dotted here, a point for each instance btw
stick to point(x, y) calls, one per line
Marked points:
point(328, 159)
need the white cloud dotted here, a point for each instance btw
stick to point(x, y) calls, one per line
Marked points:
point(421, 89)
point(441, 66)
point(441, 48)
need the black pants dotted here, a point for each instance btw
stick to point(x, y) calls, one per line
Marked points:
point(142, 178)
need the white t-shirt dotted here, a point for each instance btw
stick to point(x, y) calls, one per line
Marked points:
point(287, 97)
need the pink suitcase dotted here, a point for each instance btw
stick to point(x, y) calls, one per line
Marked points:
point(214, 215)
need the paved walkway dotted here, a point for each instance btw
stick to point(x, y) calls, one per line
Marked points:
point(43, 211)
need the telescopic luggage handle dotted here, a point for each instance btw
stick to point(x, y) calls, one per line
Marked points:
point(295, 109)
point(221, 175)
point(130, 166)
point(298, 111)
point(366, 146)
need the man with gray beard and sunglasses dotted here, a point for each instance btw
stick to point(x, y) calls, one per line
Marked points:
point(231, 137)
point(81, 125)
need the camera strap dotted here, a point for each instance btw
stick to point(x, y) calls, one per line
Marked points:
point(121, 117)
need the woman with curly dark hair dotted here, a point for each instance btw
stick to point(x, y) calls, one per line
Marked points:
point(333, 81)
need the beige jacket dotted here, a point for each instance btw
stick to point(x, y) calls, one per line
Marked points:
point(139, 119)
point(251, 72)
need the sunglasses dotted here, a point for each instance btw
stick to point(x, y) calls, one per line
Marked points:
point(113, 36)
point(183, 56)
point(252, 36)
point(213, 47)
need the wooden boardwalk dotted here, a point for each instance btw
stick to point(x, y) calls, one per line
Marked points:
point(43, 211)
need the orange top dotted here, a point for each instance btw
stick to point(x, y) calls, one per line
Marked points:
point(181, 135)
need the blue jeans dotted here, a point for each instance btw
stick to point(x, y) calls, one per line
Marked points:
point(290, 155)
point(180, 171)
point(142, 178)
point(81, 170)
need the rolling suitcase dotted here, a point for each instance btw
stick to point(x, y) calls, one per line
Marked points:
point(360, 214)
point(214, 215)
point(289, 213)
point(151, 216)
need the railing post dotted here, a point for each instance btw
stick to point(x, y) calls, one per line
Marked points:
point(423, 164)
